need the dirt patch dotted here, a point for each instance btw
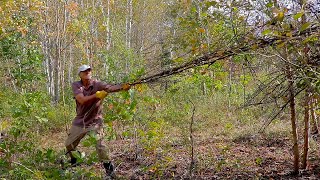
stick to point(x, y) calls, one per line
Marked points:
point(259, 158)
point(251, 157)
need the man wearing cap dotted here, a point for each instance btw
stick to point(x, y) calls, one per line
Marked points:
point(89, 94)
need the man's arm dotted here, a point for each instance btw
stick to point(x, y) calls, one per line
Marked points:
point(85, 99)
point(117, 87)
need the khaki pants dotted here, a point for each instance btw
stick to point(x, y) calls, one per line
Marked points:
point(77, 133)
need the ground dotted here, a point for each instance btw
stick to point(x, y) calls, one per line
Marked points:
point(252, 157)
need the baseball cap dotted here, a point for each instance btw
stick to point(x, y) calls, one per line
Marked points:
point(83, 68)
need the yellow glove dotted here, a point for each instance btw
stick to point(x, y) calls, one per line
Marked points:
point(126, 86)
point(101, 94)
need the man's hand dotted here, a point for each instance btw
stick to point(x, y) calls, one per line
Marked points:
point(126, 86)
point(101, 94)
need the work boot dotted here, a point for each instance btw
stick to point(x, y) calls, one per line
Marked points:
point(64, 163)
point(73, 161)
point(109, 169)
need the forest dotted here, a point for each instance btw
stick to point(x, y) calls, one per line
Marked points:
point(220, 89)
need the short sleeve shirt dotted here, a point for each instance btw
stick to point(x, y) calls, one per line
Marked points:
point(89, 113)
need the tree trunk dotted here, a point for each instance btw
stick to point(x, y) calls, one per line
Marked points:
point(230, 82)
point(129, 20)
point(293, 120)
point(306, 110)
point(306, 129)
point(63, 62)
point(129, 24)
point(106, 23)
point(56, 64)
point(244, 83)
point(313, 121)
point(47, 56)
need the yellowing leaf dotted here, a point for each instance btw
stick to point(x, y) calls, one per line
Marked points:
point(269, 5)
point(265, 32)
point(278, 41)
point(23, 31)
point(38, 174)
point(255, 46)
point(280, 16)
point(241, 18)
point(310, 39)
point(194, 49)
point(127, 102)
point(305, 26)
point(193, 41)
point(276, 33)
point(178, 60)
point(110, 124)
point(280, 45)
point(73, 8)
point(203, 72)
point(202, 30)
point(153, 169)
point(139, 87)
point(298, 15)
point(203, 46)
point(289, 34)
point(4, 124)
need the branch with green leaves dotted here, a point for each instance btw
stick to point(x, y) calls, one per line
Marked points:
point(211, 58)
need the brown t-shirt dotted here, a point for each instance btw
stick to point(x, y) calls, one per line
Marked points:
point(90, 113)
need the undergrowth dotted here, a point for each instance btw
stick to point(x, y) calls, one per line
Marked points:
point(157, 126)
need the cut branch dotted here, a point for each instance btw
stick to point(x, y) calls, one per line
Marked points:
point(213, 57)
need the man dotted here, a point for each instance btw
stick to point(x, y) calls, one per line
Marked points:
point(89, 95)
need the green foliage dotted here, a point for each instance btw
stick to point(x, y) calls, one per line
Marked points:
point(156, 116)
point(305, 26)
point(40, 164)
point(120, 107)
point(18, 16)
point(118, 61)
point(152, 135)
point(298, 15)
point(33, 106)
point(25, 117)
point(20, 53)
point(23, 61)
point(258, 160)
